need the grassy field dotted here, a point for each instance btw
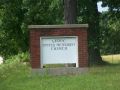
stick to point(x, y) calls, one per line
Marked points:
point(19, 77)
point(114, 59)
point(98, 78)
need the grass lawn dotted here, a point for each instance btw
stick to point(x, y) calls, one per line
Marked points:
point(98, 78)
point(112, 58)
point(19, 77)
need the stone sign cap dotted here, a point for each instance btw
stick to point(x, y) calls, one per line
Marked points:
point(60, 26)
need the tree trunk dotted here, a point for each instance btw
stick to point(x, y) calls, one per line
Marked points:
point(70, 10)
point(94, 33)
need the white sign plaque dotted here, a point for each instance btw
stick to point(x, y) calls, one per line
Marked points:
point(59, 50)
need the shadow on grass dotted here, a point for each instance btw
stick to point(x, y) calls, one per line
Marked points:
point(104, 63)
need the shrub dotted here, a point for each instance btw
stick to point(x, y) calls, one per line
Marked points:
point(13, 65)
point(21, 57)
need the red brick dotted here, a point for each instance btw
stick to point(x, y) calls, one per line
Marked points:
point(35, 35)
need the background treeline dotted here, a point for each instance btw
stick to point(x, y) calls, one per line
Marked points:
point(16, 15)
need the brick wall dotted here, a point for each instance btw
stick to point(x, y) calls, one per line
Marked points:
point(36, 33)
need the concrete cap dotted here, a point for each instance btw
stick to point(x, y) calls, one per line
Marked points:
point(60, 26)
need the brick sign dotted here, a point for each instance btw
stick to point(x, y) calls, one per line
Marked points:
point(58, 44)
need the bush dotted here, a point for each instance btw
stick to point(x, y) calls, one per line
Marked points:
point(13, 65)
point(21, 57)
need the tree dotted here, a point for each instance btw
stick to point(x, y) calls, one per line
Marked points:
point(110, 33)
point(92, 18)
point(16, 15)
point(11, 31)
point(94, 32)
point(110, 23)
point(114, 5)
point(43, 12)
point(70, 10)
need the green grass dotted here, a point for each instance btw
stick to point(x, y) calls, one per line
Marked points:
point(19, 77)
point(112, 58)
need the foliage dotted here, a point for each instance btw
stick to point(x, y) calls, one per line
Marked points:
point(15, 17)
point(10, 70)
point(110, 33)
point(21, 57)
point(114, 5)
point(15, 64)
point(43, 11)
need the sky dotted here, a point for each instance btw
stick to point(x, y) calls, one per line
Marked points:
point(100, 8)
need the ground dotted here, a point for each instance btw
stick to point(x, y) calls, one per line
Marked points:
point(113, 59)
point(18, 77)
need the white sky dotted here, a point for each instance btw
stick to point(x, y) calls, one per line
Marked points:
point(100, 8)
